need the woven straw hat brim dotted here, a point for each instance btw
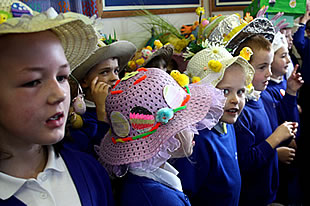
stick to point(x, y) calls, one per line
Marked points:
point(122, 50)
point(78, 38)
point(259, 26)
point(143, 149)
point(165, 52)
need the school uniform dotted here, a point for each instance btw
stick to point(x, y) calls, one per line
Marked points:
point(161, 187)
point(279, 105)
point(84, 139)
point(72, 178)
point(258, 161)
point(211, 174)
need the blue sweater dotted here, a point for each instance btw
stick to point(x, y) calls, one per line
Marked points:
point(136, 191)
point(90, 179)
point(279, 108)
point(90, 134)
point(257, 160)
point(302, 45)
point(212, 177)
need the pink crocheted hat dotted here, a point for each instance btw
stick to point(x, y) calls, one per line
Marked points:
point(148, 107)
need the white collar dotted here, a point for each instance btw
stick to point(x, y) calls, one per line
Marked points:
point(89, 103)
point(13, 184)
point(278, 81)
point(221, 127)
point(255, 95)
point(166, 176)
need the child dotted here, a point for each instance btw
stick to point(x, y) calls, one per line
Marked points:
point(280, 102)
point(152, 119)
point(211, 175)
point(256, 142)
point(35, 67)
point(96, 76)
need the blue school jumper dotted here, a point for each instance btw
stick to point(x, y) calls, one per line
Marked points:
point(258, 161)
point(136, 190)
point(279, 107)
point(90, 178)
point(212, 176)
point(90, 134)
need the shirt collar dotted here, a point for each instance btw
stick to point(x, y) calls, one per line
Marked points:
point(221, 127)
point(89, 103)
point(13, 184)
point(278, 81)
point(167, 175)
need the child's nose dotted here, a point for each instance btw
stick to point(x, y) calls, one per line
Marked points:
point(57, 93)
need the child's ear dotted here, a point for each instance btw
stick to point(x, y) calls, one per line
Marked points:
point(84, 84)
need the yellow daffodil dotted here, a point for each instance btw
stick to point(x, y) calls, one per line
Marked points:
point(200, 11)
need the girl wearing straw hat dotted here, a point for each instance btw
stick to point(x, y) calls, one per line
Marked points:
point(153, 119)
point(211, 175)
point(39, 53)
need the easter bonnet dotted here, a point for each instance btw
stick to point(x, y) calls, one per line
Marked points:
point(146, 109)
point(209, 64)
point(279, 41)
point(75, 31)
point(233, 30)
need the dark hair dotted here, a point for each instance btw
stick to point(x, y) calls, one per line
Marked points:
point(308, 25)
point(256, 43)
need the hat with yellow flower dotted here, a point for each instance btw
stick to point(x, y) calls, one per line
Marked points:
point(233, 30)
point(210, 63)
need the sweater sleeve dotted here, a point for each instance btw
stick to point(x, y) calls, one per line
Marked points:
point(252, 154)
point(300, 41)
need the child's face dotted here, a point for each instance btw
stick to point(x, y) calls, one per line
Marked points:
point(288, 35)
point(35, 94)
point(280, 62)
point(106, 71)
point(261, 61)
point(233, 85)
point(187, 143)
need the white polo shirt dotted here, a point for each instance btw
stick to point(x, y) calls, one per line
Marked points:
point(53, 186)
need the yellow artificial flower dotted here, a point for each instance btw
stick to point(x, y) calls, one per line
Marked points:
point(200, 11)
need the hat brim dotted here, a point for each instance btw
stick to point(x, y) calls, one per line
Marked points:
point(145, 148)
point(214, 78)
point(78, 38)
point(122, 50)
point(259, 26)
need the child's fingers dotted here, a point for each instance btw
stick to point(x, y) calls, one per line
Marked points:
point(295, 69)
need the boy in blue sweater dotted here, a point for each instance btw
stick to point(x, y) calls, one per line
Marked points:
point(256, 139)
point(210, 176)
point(35, 99)
point(96, 76)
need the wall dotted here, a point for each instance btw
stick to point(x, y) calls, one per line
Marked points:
point(128, 28)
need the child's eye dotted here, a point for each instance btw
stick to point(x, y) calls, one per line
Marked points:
point(226, 91)
point(116, 71)
point(32, 83)
point(241, 92)
point(62, 78)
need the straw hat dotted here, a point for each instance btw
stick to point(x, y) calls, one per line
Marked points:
point(77, 36)
point(122, 50)
point(139, 131)
point(210, 64)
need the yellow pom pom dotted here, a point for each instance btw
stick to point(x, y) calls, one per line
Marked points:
point(140, 61)
point(131, 64)
point(76, 120)
point(196, 79)
point(215, 65)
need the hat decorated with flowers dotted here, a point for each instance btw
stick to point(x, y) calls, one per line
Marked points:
point(146, 109)
point(233, 30)
point(210, 63)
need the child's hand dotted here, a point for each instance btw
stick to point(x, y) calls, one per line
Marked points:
point(294, 82)
point(283, 132)
point(99, 92)
point(286, 155)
